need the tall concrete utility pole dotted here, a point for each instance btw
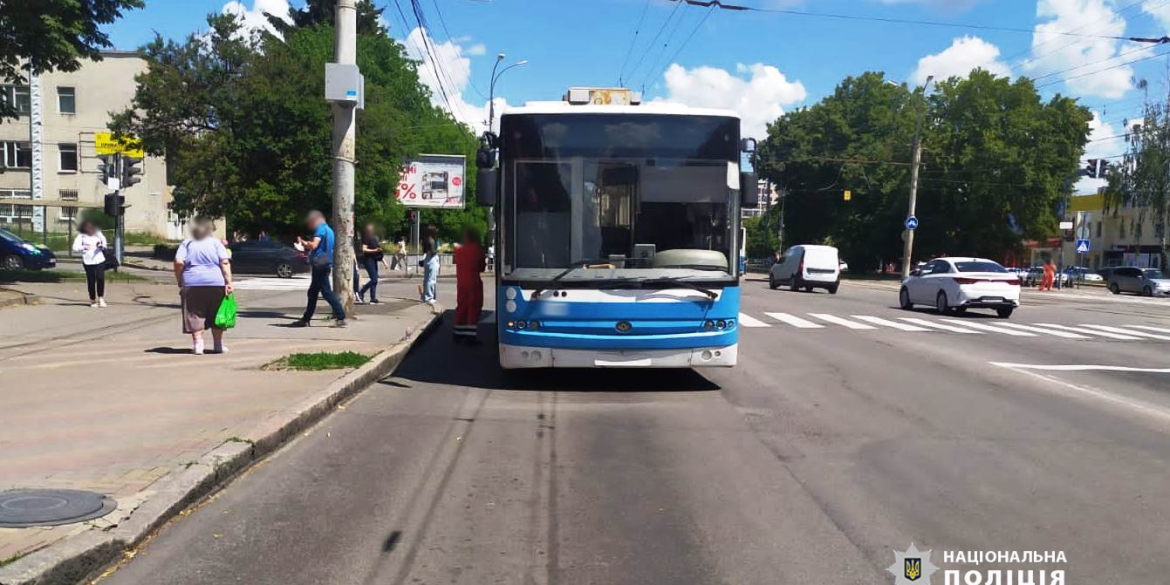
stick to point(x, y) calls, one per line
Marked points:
point(915, 162)
point(344, 156)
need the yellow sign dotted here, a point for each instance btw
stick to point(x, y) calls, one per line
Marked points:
point(105, 143)
point(848, 195)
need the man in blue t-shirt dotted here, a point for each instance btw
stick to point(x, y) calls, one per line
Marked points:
point(320, 250)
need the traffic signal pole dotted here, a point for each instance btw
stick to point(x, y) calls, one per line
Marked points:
point(344, 156)
point(916, 161)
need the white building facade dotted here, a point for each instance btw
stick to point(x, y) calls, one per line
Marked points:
point(74, 108)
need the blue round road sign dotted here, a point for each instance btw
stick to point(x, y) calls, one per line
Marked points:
point(911, 223)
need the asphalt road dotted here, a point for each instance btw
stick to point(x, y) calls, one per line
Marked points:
point(828, 447)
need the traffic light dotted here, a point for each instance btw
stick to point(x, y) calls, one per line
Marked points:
point(131, 169)
point(848, 195)
point(114, 205)
point(1096, 168)
point(108, 167)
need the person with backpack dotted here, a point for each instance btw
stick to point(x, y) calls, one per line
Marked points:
point(91, 244)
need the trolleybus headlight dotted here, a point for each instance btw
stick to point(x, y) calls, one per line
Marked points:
point(709, 325)
point(510, 293)
point(721, 324)
point(534, 325)
point(521, 324)
point(511, 324)
point(510, 306)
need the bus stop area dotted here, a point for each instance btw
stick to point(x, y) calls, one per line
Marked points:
point(112, 401)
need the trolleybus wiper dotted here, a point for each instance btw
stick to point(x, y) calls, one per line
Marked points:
point(573, 266)
point(678, 280)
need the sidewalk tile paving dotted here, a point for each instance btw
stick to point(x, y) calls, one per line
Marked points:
point(111, 401)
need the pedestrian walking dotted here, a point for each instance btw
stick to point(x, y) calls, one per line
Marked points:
point(371, 255)
point(204, 275)
point(400, 257)
point(1049, 276)
point(470, 263)
point(430, 263)
point(320, 249)
point(91, 244)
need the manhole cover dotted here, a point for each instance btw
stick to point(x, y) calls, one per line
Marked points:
point(23, 508)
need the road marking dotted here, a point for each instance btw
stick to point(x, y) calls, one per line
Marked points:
point(794, 321)
point(1105, 334)
point(891, 324)
point(1045, 331)
point(1080, 368)
point(749, 321)
point(842, 322)
point(1127, 332)
point(1148, 328)
point(941, 326)
point(991, 328)
point(1090, 392)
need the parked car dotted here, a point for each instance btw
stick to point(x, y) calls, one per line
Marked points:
point(257, 257)
point(1082, 274)
point(808, 267)
point(958, 284)
point(1143, 281)
point(16, 253)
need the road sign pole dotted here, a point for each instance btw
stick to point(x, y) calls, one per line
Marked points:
point(344, 156)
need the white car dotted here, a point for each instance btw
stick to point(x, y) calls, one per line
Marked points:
point(807, 267)
point(958, 284)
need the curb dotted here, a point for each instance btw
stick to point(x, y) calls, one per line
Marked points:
point(20, 299)
point(76, 559)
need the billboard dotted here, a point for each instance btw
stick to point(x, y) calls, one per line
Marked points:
point(433, 180)
point(105, 143)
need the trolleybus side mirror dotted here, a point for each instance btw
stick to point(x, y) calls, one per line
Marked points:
point(486, 185)
point(749, 190)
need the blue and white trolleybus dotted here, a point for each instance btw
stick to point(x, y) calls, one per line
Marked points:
point(616, 232)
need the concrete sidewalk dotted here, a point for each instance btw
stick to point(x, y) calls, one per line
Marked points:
point(111, 400)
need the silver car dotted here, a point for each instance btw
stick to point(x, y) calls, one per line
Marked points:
point(1144, 281)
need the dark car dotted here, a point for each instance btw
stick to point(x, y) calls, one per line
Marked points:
point(257, 257)
point(16, 253)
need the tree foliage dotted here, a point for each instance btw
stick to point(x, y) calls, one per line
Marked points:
point(1142, 178)
point(244, 123)
point(47, 35)
point(996, 160)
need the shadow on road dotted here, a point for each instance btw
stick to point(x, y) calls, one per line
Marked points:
point(439, 360)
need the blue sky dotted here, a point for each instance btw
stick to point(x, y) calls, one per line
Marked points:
point(760, 64)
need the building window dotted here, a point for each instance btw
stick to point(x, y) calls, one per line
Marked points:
point(17, 155)
point(68, 213)
point(16, 96)
point(10, 213)
point(67, 100)
point(68, 157)
point(1098, 229)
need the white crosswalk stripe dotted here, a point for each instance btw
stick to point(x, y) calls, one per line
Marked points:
point(1148, 328)
point(749, 321)
point(1088, 331)
point(1128, 332)
point(1046, 331)
point(890, 324)
point(795, 321)
point(937, 325)
point(842, 322)
point(991, 328)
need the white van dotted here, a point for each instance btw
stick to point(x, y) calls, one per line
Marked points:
point(807, 267)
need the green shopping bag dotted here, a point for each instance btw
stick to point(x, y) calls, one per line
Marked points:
point(225, 318)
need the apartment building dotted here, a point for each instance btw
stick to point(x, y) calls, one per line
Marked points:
point(1128, 236)
point(75, 106)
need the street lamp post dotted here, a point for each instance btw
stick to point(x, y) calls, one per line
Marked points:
point(492, 87)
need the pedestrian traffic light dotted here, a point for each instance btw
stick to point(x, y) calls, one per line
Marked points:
point(131, 169)
point(848, 195)
point(107, 166)
point(1096, 169)
point(114, 205)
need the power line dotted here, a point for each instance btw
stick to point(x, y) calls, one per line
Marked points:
point(889, 20)
point(435, 68)
point(658, 34)
point(1078, 29)
point(669, 37)
point(1097, 62)
point(1050, 83)
point(687, 40)
point(450, 39)
point(633, 41)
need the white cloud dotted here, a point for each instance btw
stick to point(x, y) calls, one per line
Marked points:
point(254, 18)
point(964, 55)
point(1055, 53)
point(759, 99)
point(453, 61)
point(1160, 11)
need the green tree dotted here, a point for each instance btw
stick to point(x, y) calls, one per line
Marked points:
point(1141, 180)
point(316, 12)
point(996, 162)
point(47, 35)
point(248, 132)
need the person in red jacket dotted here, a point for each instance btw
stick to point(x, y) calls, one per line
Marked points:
point(470, 263)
